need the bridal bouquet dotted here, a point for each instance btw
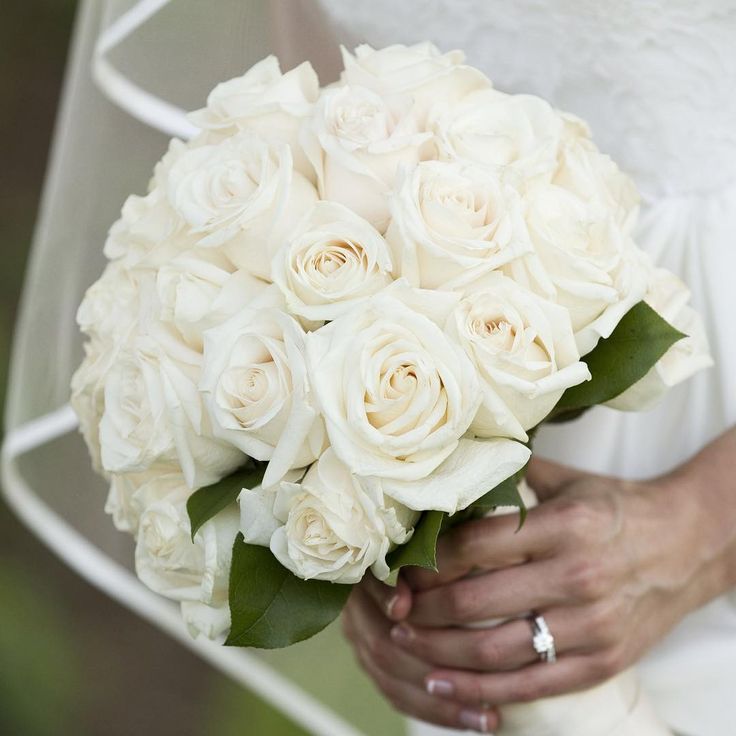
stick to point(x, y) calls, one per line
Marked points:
point(337, 317)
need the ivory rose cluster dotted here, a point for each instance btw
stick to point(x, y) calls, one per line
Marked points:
point(373, 291)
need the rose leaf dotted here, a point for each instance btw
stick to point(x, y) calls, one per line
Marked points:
point(421, 549)
point(506, 493)
point(208, 501)
point(617, 362)
point(270, 607)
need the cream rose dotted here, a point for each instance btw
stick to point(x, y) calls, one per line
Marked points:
point(241, 194)
point(200, 289)
point(594, 177)
point(170, 564)
point(266, 101)
point(669, 297)
point(327, 527)
point(421, 71)
point(153, 414)
point(108, 316)
point(589, 263)
point(201, 619)
point(148, 233)
point(519, 132)
point(355, 142)
point(451, 222)
point(88, 395)
point(131, 493)
point(110, 306)
point(255, 386)
point(398, 397)
point(332, 260)
point(523, 348)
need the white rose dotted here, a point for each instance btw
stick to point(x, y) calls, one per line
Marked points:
point(520, 132)
point(153, 414)
point(242, 194)
point(421, 71)
point(669, 297)
point(255, 386)
point(589, 263)
point(332, 260)
point(131, 493)
point(327, 527)
point(88, 395)
point(202, 619)
point(452, 222)
point(398, 395)
point(171, 564)
point(594, 177)
point(201, 288)
point(148, 233)
point(355, 142)
point(107, 315)
point(110, 306)
point(266, 101)
point(524, 350)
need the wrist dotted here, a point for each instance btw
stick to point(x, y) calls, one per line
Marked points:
point(701, 522)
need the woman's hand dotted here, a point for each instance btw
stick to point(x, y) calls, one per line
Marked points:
point(372, 610)
point(612, 565)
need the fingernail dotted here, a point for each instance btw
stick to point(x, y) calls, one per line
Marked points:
point(440, 687)
point(402, 634)
point(475, 720)
point(390, 603)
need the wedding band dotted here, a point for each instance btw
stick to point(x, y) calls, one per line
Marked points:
point(542, 639)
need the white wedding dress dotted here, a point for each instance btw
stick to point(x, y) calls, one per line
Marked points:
point(656, 79)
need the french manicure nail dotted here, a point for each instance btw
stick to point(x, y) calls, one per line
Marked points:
point(440, 687)
point(474, 720)
point(390, 603)
point(402, 633)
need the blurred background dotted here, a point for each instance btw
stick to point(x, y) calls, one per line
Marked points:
point(74, 661)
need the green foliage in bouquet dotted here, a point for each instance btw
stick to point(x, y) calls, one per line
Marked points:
point(420, 550)
point(271, 607)
point(210, 500)
point(640, 339)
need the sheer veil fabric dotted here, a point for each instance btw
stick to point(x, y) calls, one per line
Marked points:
point(655, 80)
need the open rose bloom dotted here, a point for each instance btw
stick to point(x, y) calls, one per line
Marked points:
point(336, 319)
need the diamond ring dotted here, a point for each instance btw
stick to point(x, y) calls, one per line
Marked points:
point(542, 639)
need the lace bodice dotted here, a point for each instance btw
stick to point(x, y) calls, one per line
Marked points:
point(655, 79)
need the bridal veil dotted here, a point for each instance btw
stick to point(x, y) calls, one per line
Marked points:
point(133, 71)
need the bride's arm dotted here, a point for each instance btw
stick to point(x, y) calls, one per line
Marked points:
point(613, 565)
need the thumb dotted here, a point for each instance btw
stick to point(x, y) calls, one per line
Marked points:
point(547, 478)
point(395, 602)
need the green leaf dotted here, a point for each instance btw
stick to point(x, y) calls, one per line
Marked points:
point(210, 500)
point(640, 339)
point(506, 493)
point(270, 607)
point(421, 549)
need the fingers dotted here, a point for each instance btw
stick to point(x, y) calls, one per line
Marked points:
point(507, 646)
point(547, 478)
point(394, 602)
point(488, 544)
point(537, 681)
point(368, 629)
point(507, 593)
point(400, 676)
point(418, 703)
